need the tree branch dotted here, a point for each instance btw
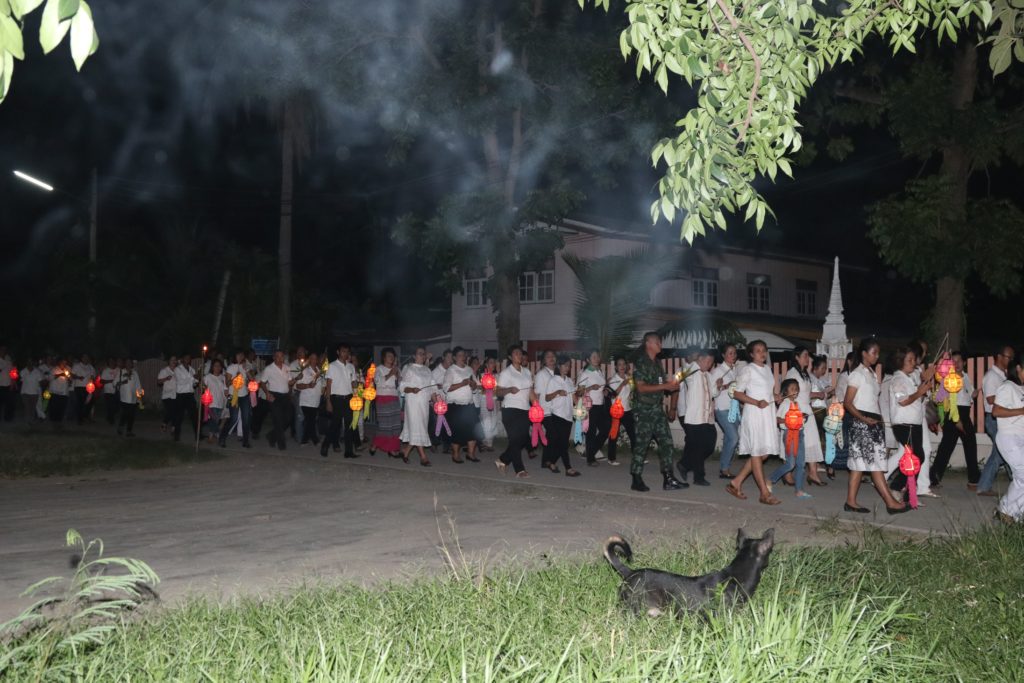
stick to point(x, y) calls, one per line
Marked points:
point(745, 125)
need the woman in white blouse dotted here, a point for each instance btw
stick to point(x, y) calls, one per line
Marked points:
point(387, 422)
point(621, 388)
point(867, 436)
point(515, 388)
point(458, 384)
point(963, 431)
point(558, 398)
point(1008, 410)
point(419, 388)
point(311, 389)
point(489, 419)
point(759, 433)
point(128, 386)
point(592, 380)
point(906, 403)
point(800, 372)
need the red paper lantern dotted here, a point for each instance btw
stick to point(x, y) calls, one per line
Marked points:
point(536, 414)
point(910, 465)
point(13, 374)
point(207, 398)
point(440, 407)
point(253, 386)
point(90, 387)
point(99, 382)
point(945, 367)
point(616, 411)
point(488, 381)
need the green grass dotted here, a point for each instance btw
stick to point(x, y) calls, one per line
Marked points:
point(45, 453)
point(884, 610)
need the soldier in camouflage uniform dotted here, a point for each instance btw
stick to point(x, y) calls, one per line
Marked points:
point(649, 412)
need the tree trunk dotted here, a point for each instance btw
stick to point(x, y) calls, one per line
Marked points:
point(506, 306)
point(948, 317)
point(284, 248)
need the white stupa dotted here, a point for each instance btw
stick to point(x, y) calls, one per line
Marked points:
point(834, 343)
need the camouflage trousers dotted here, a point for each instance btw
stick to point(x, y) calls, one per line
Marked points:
point(651, 423)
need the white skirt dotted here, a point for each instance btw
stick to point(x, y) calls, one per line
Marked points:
point(812, 442)
point(759, 431)
point(417, 412)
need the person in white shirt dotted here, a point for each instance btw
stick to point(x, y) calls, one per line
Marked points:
point(31, 378)
point(216, 382)
point(342, 380)
point(387, 424)
point(184, 396)
point(108, 377)
point(440, 441)
point(489, 419)
point(128, 386)
point(419, 388)
point(515, 388)
point(1008, 408)
point(278, 381)
point(82, 373)
point(791, 463)
point(297, 366)
point(541, 379)
point(593, 384)
point(813, 454)
point(458, 384)
point(311, 388)
point(699, 420)
point(842, 382)
point(907, 393)
point(7, 387)
point(990, 383)
point(60, 389)
point(241, 412)
point(168, 392)
point(867, 437)
point(759, 432)
point(963, 431)
point(721, 377)
point(557, 396)
point(621, 387)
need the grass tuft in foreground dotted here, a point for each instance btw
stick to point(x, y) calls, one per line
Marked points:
point(940, 610)
point(46, 453)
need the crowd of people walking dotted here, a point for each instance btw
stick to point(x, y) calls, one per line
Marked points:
point(459, 404)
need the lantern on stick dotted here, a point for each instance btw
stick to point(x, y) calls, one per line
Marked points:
point(206, 399)
point(236, 385)
point(953, 383)
point(910, 465)
point(488, 382)
point(371, 372)
point(616, 411)
point(579, 414)
point(794, 422)
point(253, 388)
point(537, 430)
point(46, 399)
point(734, 404)
point(98, 382)
point(13, 374)
point(369, 393)
point(355, 404)
point(139, 393)
point(90, 389)
point(833, 426)
point(440, 409)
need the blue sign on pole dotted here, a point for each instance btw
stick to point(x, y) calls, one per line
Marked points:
point(265, 347)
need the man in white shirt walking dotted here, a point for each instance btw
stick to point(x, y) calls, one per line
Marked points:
point(82, 373)
point(698, 421)
point(184, 396)
point(990, 384)
point(278, 380)
point(342, 380)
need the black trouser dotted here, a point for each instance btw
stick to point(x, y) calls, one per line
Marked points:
point(914, 436)
point(517, 427)
point(184, 409)
point(309, 424)
point(243, 412)
point(127, 421)
point(57, 408)
point(597, 430)
point(557, 432)
point(281, 415)
point(626, 422)
point(950, 434)
point(7, 403)
point(341, 426)
point(259, 414)
point(80, 408)
point(111, 401)
point(700, 444)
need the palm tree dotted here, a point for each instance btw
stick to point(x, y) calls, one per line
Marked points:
point(614, 297)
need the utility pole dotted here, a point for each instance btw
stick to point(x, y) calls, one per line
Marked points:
point(93, 210)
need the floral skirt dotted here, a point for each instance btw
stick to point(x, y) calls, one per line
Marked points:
point(867, 445)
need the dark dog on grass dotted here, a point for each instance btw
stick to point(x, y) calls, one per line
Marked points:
point(656, 591)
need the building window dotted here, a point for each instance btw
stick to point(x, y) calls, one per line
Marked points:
point(806, 297)
point(759, 289)
point(705, 287)
point(476, 293)
point(537, 287)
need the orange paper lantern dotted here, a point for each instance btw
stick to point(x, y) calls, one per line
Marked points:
point(794, 422)
point(616, 411)
point(369, 393)
point(355, 404)
point(90, 387)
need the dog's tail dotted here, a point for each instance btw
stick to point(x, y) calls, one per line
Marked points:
point(615, 546)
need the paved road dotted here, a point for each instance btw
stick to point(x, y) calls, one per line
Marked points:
point(261, 520)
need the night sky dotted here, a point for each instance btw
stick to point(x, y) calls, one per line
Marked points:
point(175, 112)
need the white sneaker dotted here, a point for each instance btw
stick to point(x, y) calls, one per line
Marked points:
point(599, 456)
point(614, 463)
point(928, 494)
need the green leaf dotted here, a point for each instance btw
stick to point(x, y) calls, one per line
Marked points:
point(51, 29)
point(999, 59)
point(23, 7)
point(5, 7)
point(12, 40)
point(67, 9)
point(82, 31)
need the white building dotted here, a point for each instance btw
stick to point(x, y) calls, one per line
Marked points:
point(772, 295)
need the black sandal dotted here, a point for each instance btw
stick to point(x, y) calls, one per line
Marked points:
point(554, 469)
point(830, 472)
point(571, 473)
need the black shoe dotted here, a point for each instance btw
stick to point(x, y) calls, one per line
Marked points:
point(849, 508)
point(222, 443)
point(303, 443)
point(323, 451)
point(682, 471)
point(701, 481)
point(336, 449)
point(351, 455)
point(898, 511)
point(591, 463)
point(246, 445)
point(638, 484)
point(670, 483)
